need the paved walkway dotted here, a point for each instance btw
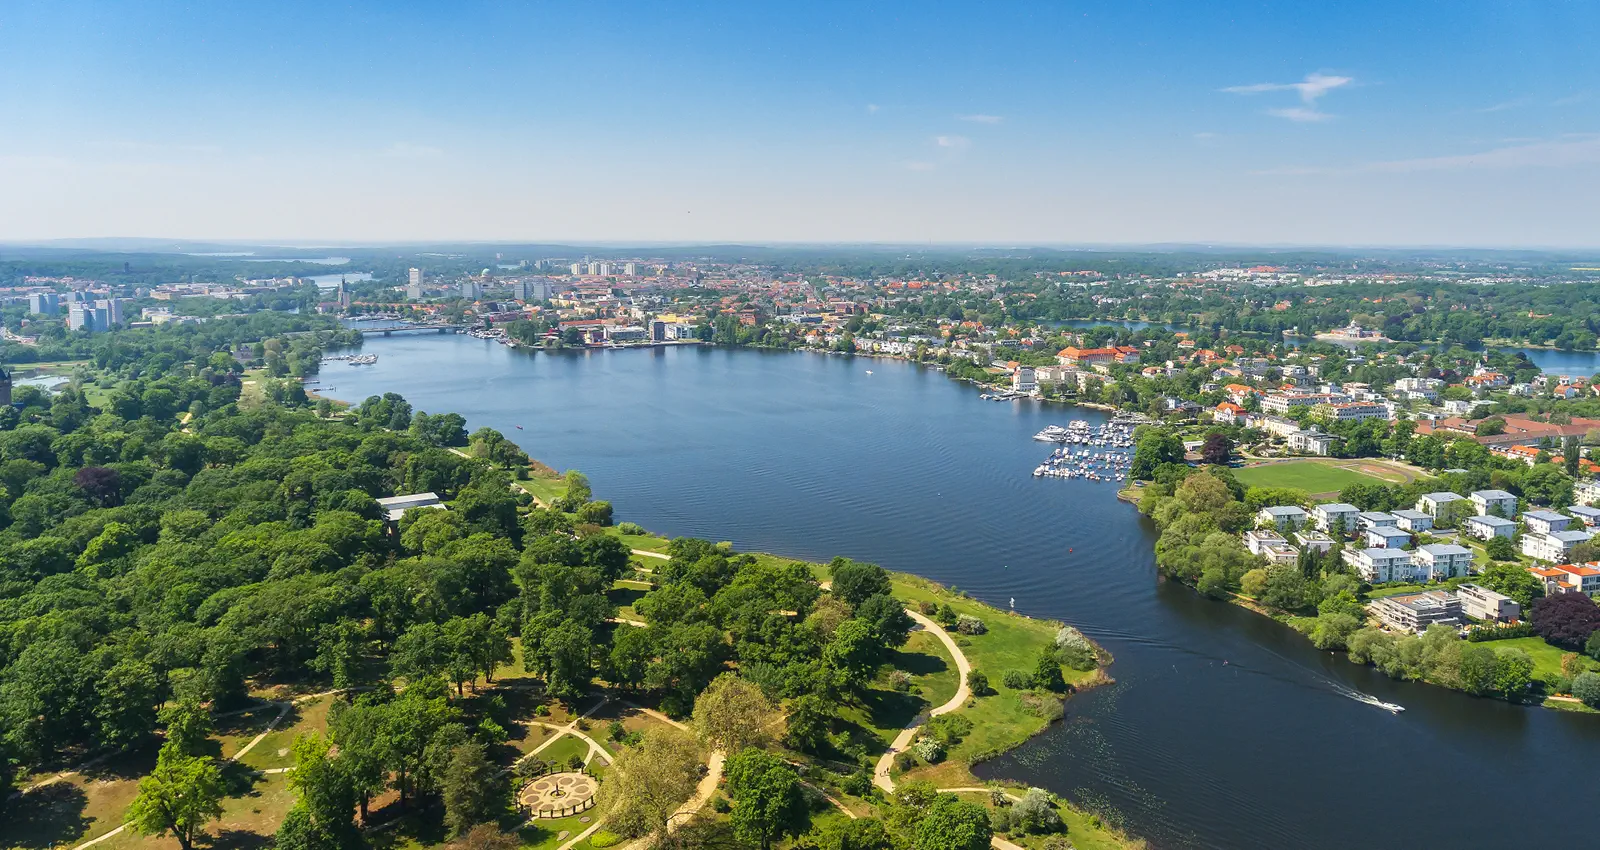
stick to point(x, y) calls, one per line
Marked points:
point(880, 775)
point(646, 553)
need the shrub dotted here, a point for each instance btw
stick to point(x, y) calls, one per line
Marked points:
point(900, 680)
point(947, 615)
point(858, 784)
point(1043, 704)
point(1036, 812)
point(927, 609)
point(721, 805)
point(929, 749)
point(630, 528)
point(978, 683)
point(1056, 842)
point(1078, 658)
point(616, 730)
point(1016, 680)
point(603, 839)
point(541, 710)
point(905, 761)
point(1483, 633)
point(1586, 687)
point(575, 763)
point(1000, 820)
point(969, 625)
point(491, 732)
point(949, 729)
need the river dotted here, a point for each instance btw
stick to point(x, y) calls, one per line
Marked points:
point(1224, 729)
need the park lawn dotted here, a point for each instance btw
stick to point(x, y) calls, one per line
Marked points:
point(933, 671)
point(1546, 658)
point(1312, 476)
point(256, 805)
point(303, 719)
point(647, 542)
point(546, 490)
point(1394, 590)
point(550, 834)
point(1084, 829)
point(77, 808)
point(235, 731)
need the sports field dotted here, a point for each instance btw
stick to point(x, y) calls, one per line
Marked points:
point(1316, 476)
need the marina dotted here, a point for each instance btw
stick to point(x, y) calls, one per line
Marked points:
point(352, 359)
point(1106, 458)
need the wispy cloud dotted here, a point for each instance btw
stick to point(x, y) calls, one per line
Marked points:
point(981, 119)
point(959, 143)
point(1559, 152)
point(1571, 99)
point(947, 150)
point(1311, 89)
point(1205, 135)
point(872, 109)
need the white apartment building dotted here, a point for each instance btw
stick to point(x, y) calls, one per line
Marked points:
point(1433, 504)
point(1489, 527)
point(1481, 603)
point(1497, 502)
point(1546, 522)
point(1377, 566)
point(1258, 540)
point(1555, 548)
point(1439, 561)
point(1282, 517)
point(1325, 515)
point(1414, 521)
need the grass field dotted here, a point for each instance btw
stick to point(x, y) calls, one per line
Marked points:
point(1312, 476)
point(1546, 658)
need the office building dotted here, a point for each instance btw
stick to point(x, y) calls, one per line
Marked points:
point(96, 316)
point(470, 290)
point(44, 303)
point(630, 269)
point(414, 278)
point(577, 269)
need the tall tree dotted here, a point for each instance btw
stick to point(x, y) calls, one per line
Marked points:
point(767, 800)
point(180, 796)
point(733, 714)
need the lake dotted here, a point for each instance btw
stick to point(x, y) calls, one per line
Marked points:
point(328, 281)
point(1223, 730)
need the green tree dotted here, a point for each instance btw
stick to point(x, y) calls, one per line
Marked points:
point(179, 797)
point(733, 714)
point(474, 789)
point(949, 823)
point(767, 800)
point(1047, 672)
point(1586, 687)
point(648, 782)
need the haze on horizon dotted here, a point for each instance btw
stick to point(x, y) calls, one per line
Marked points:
point(1433, 123)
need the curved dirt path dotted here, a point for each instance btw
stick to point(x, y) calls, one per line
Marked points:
point(880, 774)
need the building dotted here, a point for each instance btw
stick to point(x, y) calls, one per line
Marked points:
point(577, 269)
point(1415, 612)
point(601, 269)
point(1489, 527)
point(1494, 502)
point(1439, 561)
point(1546, 522)
point(1413, 521)
point(414, 278)
point(1309, 540)
point(44, 303)
point(1311, 441)
point(1376, 519)
point(1481, 603)
point(1352, 411)
point(1582, 578)
point(1555, 547)
point(395, 507)
point(1257, 540)
point(470, 290)
point(1440, 505)
point(629, 333)
point(1378, 566)
point(96, 316)
point(1327, 515)
point(1282, 517)
point(1586, 491)
point(1586, 515)
point(1387, 537)
point(531, 289)
point(630, 269)
point(1023, 380)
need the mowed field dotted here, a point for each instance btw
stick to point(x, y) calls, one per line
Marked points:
point(1320, 476)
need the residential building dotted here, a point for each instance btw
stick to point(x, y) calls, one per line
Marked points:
point(1257, 540)
point(577, 269)
point(1311, 442)
point(1481, 603)
point(1309, 540)
point(395, 507)
point(471, 290)
point(1555, 547)
point(1282, 517)
point(1582, 578)
point(1586, 515)
point(1440, 505)
point(95, 316)
point(1489, 527)
point(630, 269)
point(1415, 612)
point(1282, 402)
point(1413, 521)
point(1586, 491)
point(1376, 519)
point(1278, 426)
point(1439, 561)
point(1495, 502)
point(1335, 513)
point(1023, 381)
point(1546, 522)
point(414, 278)
point(1377, 566)
point(1352, 411)
point(1387, 537)
point(1282, 554)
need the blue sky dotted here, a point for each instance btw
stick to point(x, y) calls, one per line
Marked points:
point(1445, 123)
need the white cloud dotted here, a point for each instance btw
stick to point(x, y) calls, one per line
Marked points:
point(1503, 106)
point(1571, 100)
point(981, 119)
point(1302, 114)
point(958, 143)
point(1560, 152)
point(872, 109)
point(1311, 88)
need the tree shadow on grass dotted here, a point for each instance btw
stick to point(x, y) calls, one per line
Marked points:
point(891, 709)
point(918, 663)
point(130, 765)
point(46, 817)
point(239, 780)
point(238, 839)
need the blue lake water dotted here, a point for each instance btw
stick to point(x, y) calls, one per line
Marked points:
point(1223, 730)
